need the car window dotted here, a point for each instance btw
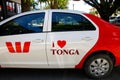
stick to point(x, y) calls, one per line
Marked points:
point(70, 22)
point(118, 17)
point(112, 17)
point(31, 23)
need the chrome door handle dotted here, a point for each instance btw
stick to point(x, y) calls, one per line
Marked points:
point(86, 38)
point(38, 40)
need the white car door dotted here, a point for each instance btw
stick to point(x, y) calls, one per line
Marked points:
point(22, 42)
point(71, 37)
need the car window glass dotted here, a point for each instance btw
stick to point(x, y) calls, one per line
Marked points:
point(118, 17)
point(70, 22)
point(31, 23)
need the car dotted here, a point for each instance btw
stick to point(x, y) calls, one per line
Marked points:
point(112, 20)
point(117, 20)
point(60, 39)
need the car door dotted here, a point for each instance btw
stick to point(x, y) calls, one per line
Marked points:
point(22, 41)
point(71, 36)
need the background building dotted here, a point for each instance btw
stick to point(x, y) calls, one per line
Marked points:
point(9, 8)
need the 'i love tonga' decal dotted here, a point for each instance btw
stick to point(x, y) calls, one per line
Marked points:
point(62, 50)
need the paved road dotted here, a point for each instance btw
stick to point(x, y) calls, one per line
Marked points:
point(50, 74)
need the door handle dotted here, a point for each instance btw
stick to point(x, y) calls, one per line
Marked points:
point(38, 40)
point(86, 38)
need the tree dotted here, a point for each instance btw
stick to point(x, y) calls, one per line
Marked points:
point(104, 7)
point(56, 4)
point(62, 4)
point(117, 12)
point(26, 4)
point(52, 3)
point(42, 1)
point(94, 12)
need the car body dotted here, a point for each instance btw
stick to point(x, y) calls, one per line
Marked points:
point(60, 39)
point(112, 20)
point(117, 20)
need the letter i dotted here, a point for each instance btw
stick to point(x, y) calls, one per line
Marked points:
point(53, 45)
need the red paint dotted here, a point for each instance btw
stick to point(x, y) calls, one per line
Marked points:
point(61, 43)
point(109, 40)
point(18, 48)
point(53, 45)
point(10, 47)
point(65, 51)
point(26, 47)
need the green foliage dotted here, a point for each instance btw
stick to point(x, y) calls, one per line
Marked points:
point(62, 4)
point(43, 0)
point(46, 7)
point(26, 1)
point(28, 5)
point(50, 4)
point(59, 4)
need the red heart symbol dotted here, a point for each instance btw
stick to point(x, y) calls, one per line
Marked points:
point(61, 43)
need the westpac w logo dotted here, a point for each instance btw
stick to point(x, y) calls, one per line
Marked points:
point(17, 47)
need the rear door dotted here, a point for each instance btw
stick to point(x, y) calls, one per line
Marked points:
point(22, 41)
point(71, 36)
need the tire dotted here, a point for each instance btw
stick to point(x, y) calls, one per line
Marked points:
point(98, 66)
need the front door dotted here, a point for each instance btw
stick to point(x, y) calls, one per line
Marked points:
point(22, 42)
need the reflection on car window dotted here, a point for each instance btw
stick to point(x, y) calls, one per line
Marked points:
point(31, 23)
point(70, 22)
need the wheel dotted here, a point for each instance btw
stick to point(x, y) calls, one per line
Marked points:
point(98, 66)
